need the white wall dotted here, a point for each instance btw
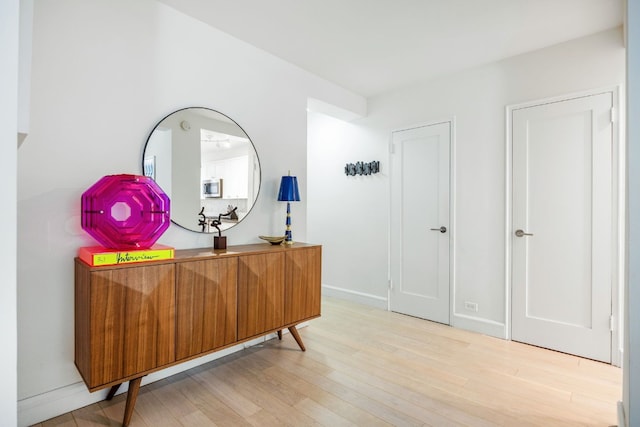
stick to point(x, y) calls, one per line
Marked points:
point(103, 74)
point(476, 98)
point(8, 173)
point(631, 365)
point(348, 215)
point(24, 65)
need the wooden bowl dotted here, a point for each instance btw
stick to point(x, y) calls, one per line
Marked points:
point(274, 240)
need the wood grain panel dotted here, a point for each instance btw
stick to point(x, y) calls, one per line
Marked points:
point(132, 321)
point(206, 296)
point(302, 284)
point(260, 293)
point(82, 317)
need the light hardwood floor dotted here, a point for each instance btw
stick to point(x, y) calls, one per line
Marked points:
point(368, 367)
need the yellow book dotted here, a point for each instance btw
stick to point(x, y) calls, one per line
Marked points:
point(97, 255)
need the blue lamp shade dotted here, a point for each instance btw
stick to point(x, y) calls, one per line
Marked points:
point(289, 189)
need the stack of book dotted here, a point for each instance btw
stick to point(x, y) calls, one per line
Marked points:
point(98, 255)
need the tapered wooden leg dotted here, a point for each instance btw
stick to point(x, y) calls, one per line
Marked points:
point(132, 395)
point(280, 334)
point(296, 336)
point(113, 391)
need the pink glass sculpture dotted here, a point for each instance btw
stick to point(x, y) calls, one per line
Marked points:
point(125, 211)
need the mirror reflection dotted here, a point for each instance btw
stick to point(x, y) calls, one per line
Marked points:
point(207, 165)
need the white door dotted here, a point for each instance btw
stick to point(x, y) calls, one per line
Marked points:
point(420, 222)
point(562, 225)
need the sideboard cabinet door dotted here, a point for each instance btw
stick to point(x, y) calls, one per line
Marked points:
point(206, 305)
point(131, 321)
point(260, 293)
point(302, 284)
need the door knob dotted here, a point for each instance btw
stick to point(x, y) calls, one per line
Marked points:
point(442, 229)
point(521, 233)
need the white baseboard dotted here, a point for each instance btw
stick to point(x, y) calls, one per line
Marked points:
point(355, 296)
point(479, 325)
point(35, 409)
point(622, 420)
point(462, 321)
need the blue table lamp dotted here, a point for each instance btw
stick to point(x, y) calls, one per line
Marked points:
point(288, 193)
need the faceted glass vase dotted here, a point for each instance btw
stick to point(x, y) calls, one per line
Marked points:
point(125, 211)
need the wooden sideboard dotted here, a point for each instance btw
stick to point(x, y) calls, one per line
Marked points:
point(134, 319)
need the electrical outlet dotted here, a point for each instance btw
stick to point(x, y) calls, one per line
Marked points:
point(471, 306)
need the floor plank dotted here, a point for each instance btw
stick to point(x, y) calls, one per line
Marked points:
point(369, 367)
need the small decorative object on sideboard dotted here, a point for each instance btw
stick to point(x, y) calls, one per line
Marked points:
point(125, 212)
point(220, 241)
point(274, 240)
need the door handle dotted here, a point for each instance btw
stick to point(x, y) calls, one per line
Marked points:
point(521, 233)
point(442, 229)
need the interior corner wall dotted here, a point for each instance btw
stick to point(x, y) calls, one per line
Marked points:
point(103, 74)
point(631, 365)
point(476, 98)
point(348, 214)
point(9, 18)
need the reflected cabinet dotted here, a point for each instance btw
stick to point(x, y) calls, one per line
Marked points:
point(134, 319)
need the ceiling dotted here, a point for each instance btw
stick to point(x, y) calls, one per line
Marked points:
point(374, 46)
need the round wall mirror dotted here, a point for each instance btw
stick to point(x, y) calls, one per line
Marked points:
point(206, 164)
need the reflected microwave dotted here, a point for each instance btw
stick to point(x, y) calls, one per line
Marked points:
point(212, 188)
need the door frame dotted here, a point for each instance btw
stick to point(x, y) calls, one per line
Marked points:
point(618, 210)
point(452, 211)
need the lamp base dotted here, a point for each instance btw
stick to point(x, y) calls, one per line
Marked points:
point(287, 233)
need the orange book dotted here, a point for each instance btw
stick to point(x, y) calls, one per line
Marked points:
point(98, 255)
